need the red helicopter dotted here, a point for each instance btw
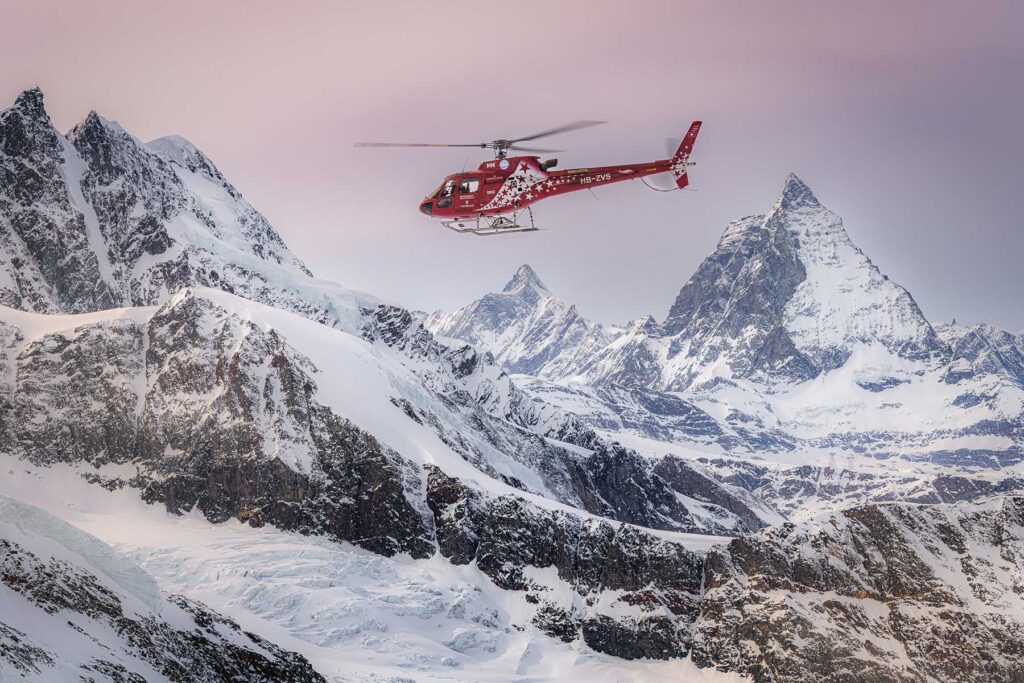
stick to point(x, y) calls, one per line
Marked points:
point(491, 199)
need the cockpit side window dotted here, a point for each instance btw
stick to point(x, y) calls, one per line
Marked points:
point(445, 195)
point(469, 185)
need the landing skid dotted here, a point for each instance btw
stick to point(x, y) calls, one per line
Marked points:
point(492, 225)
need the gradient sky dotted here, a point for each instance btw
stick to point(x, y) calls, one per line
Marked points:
point(905, 118)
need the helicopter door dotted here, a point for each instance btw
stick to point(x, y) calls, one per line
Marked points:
point(467, 191)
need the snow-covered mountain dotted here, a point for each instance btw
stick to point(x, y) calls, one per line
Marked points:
point(96, 219)
point(525, 327)
point(163, 342)
point(786, 296)
point(159, 343)
point(786, 338)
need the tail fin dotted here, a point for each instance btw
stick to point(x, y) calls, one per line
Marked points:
point(681, 159)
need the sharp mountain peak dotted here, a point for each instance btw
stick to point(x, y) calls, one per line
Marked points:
point(796, 194)
point(524, 277)
point(31, 102)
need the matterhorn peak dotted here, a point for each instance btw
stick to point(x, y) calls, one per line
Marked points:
point(31, 102)
point(796, 195)
point(524, 278)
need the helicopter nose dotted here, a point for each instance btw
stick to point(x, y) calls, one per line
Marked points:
point(427, 207)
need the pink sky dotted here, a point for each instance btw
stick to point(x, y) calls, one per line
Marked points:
point(904, 118)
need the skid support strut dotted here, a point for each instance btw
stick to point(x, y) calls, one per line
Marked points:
point(493, 225)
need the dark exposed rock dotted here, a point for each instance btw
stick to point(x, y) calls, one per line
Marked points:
point(508, 537)
point(654, 639)
point(877, 593)
point(684, 478)
point(44, 239)
point(222, 400)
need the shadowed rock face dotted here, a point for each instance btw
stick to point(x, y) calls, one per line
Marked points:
point(604, 564)
point(686, 479)
point(877, 593)
point(217, 414)
point(46, 260)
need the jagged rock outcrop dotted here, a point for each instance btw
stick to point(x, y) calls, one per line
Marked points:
point(983, 350)
point(47, 235)
point(876, 593)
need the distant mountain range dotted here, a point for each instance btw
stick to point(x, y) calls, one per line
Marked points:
point(159, 342)
point(787, 337)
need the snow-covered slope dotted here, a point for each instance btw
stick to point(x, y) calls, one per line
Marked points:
point(72, 608)
point(355, 615)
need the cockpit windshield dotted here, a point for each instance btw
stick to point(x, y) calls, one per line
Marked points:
point(437, 190)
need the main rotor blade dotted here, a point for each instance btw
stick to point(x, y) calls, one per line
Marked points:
point(517, 148)
point(413, 144)
point(575, 125)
